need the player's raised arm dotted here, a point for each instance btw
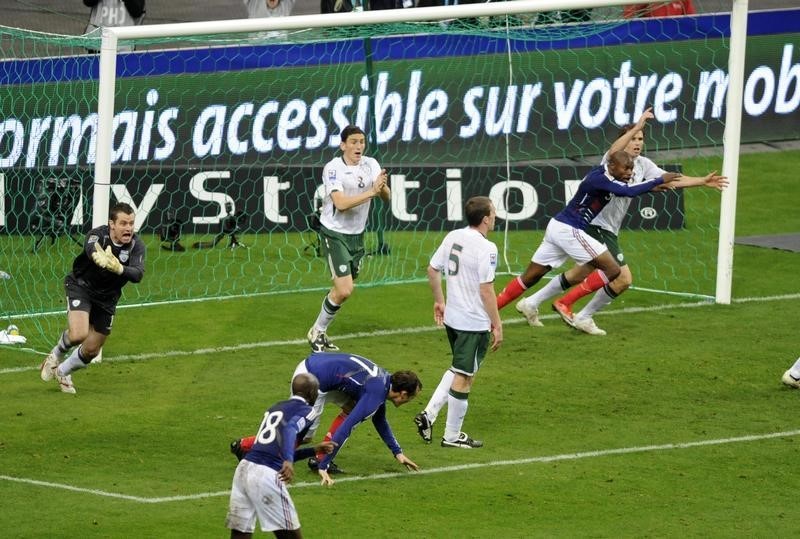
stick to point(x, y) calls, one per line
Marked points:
point(620, 144)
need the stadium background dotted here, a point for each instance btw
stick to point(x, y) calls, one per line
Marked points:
point(70, 17)
point(626, 439)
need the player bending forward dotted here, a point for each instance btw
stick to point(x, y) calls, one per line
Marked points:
point(259, 484)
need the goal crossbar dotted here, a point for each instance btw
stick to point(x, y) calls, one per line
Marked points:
point(731, 139)
point(384, 16)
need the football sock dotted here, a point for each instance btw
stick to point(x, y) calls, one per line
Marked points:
point(456, 410)
point(553, 288)
point(247, 443)
point(75, 361)
point(512, 291)
point(794, 372)
point(335, 424)
point(595, 281)
point(326, 314)
point(63, 346)
point(602, 297)
point(439, 397)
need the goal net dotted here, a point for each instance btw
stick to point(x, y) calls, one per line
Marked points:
point(218, 140)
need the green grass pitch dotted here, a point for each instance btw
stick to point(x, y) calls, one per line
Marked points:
point(674, 425)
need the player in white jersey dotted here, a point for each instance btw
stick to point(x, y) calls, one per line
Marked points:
point(469, 261)
point(351, 182)
point(605, 227)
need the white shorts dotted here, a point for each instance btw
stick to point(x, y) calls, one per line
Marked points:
point(336, 397)
point(258, 492)
point(562, 241)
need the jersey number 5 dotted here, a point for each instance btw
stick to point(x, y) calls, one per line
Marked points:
point(455, 252)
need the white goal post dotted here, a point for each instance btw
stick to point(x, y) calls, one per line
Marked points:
point(732, 134)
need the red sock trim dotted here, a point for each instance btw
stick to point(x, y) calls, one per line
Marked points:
point(335, 424)
point(595, 281)
point(247, 443)
point(512, 291)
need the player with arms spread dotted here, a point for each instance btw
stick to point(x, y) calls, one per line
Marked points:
point(605, 227)
point(566, 236)
point(112, 257)
point(351, 182)
point(259, 484)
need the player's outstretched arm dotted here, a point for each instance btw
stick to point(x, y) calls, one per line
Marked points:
point(325, 479)
point(325, 447)
point(670, 181)
point(407, 462)
point(712, 180)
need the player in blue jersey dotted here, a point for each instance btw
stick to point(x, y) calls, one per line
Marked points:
point(360, 388)
point(566, 235)
point(605, 227)
point(259, 484)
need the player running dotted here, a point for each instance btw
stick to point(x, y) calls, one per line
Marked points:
point(112, 257)
point(351, 182)
point(566, 235)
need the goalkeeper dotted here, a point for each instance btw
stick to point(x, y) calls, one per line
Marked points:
point(112, 256)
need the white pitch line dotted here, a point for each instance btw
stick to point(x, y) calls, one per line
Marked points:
point(385, 332)
point(444, 469)
point(106, 494)
point(399, 331)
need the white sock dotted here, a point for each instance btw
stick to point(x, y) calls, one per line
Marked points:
point(62, 347)
point(439, 397)
point(794, 372)
point(456, 410)
point(326, 314)
point(598, 301)
point(550, 290)
point(71, 364)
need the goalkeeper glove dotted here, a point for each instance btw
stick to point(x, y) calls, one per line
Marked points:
point(106, 259)
point(99, 256)
point(112, 263)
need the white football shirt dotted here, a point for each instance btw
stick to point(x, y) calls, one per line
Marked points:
point(610, 218)
point(468, 259)
point(349, 180)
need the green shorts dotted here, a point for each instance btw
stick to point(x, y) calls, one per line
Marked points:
point(342, 251)
point(469, 349)
point(611, 241)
